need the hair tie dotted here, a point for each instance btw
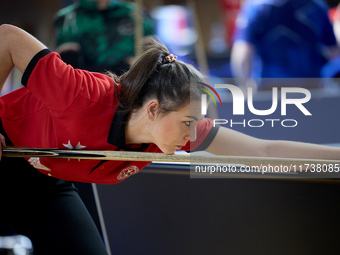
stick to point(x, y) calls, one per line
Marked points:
point(169, 59)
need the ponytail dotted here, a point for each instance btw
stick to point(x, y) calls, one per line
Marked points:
point(172, 83)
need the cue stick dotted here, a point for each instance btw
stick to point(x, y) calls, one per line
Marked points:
point(161, 157)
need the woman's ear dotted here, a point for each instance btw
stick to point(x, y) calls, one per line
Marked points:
point(152, 108)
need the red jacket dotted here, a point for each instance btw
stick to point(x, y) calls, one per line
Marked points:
point(62, 107)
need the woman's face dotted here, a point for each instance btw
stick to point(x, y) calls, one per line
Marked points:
point(173, 130)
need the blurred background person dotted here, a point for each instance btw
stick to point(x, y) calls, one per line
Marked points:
point(334, 16)
point(332, 68)
point(282, 39)
point(231, 9)
point(99, 35)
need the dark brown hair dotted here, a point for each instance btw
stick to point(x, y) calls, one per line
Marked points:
point(173, 84)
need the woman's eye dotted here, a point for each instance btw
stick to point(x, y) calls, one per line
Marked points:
point(187, 123)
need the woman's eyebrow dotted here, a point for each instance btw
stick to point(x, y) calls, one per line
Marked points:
point(193, 117)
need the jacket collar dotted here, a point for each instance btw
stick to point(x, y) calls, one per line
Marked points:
point(116, 135)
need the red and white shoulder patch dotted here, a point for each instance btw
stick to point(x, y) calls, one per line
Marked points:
point(127, 172)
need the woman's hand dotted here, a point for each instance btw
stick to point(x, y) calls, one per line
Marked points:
point(233, 143)
point(2, 144)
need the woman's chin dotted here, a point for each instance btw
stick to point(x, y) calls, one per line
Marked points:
point(168, 151)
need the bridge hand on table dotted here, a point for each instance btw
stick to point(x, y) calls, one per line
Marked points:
point(2, 144)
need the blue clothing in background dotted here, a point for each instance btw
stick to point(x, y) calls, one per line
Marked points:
point(288, 36)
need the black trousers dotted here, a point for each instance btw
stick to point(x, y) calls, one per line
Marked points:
point(47, 210)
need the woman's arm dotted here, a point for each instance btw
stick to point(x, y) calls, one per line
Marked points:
point(230, 142)
point(17, 49)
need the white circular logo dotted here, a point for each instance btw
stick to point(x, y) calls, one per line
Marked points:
point(125, 173)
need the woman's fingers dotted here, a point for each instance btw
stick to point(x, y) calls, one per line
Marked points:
point(2, 144)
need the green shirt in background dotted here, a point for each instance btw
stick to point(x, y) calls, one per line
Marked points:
point(106, 37)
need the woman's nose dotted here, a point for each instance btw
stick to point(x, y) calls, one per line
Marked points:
point(193, 135)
